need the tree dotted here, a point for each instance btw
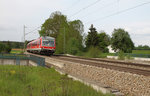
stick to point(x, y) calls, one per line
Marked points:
point(6, 48)
point(76, 33)
point(92, 37)
point(2, 47)
point(73, 46)
point(145, 47)
point(63, 31)
point(53, 25)
point(104, 41)
point(142, 47)
point(121, 41)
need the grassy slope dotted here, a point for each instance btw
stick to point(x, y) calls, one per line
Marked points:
point(39, 81)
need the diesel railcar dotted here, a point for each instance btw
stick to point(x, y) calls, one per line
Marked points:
point(42, 45)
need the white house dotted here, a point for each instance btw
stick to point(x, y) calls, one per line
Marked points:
point(110, 49)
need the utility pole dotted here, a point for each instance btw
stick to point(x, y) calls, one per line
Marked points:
point(24, 36)
point(64, 41)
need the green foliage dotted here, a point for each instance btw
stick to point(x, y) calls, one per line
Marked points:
point(13, 44)
point(129, 57)
point(17, 51)
point(121, 55)
point(142, 47)
point(121, 41)
point(104, 41)
point(53, 25)
point(2, 47)
point(8, 49)
point(92, 38)
point(73, 46)
point(93, 52)
point(96, 42)
point(101, 40)
point(141, 51)
point(65, 32)
point(5, 48)
point(40, 81)
point(108, 54)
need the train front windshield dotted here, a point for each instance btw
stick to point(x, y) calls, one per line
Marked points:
point(48, 43)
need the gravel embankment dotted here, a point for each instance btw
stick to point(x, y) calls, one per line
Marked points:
point(130, 84)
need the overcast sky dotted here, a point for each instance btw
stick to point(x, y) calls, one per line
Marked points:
point(14, 14)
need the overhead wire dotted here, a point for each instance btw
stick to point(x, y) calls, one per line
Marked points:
point(119, 12)
point(33, 30)
point(85, 8)
point(90, 13)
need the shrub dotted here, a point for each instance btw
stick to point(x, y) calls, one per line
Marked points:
point(106, 50)
point(93, 52)
point(121, 55)
point(5, 48)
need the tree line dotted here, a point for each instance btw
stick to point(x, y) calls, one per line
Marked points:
point(142, 47)
point(71, 39)
point(119, 41)
point(13, 44)
point(5, 47)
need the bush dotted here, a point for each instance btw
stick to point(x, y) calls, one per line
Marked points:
point(5, 48)
point(93, 52)
point(121, 55)
point(73, 46)
point(106, 50)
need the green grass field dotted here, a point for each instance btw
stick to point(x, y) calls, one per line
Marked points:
point(141, 51)
point(40, 81)
point(16, 51)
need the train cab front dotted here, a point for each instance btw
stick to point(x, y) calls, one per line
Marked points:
point(48, 45)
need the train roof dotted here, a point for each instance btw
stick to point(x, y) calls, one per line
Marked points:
point(47, 37)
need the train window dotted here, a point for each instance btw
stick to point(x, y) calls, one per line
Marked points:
point(49, 43)
point(52, 43)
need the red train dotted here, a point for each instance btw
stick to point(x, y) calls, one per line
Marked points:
point(42, 45)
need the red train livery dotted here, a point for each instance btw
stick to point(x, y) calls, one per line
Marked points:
point(42, 45)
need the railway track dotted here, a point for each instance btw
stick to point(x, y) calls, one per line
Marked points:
point(100, 64)
point(113, 65)
point(109, 61)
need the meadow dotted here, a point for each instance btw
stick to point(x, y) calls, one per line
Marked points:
point(16, 51)
point(141, 51)
point(40, 81)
